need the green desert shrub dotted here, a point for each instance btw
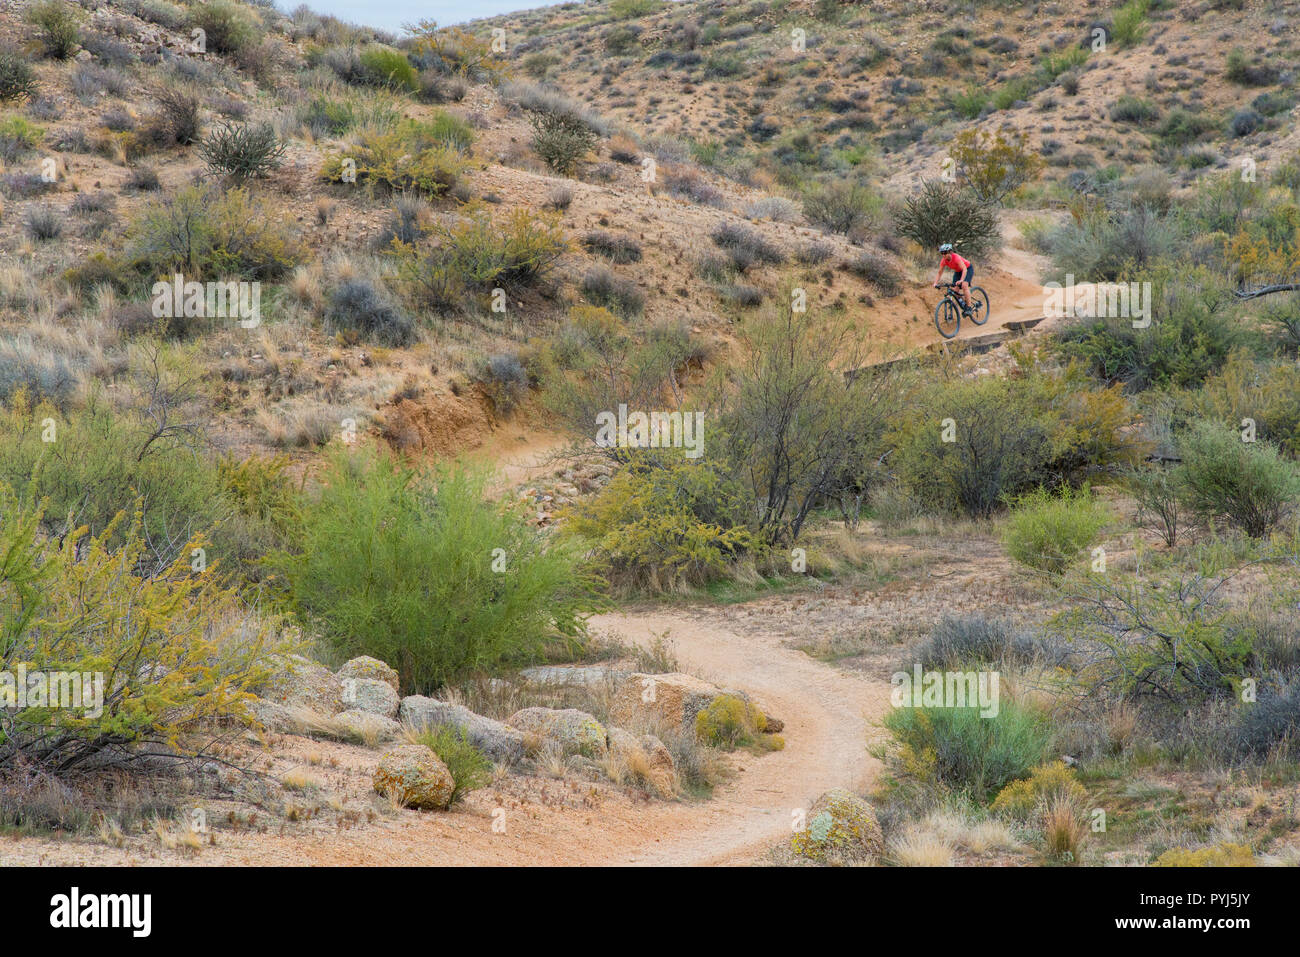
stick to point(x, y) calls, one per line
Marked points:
point(420, 570)
point(360, 309)
point(327, 117)
point(1245, 484)
point(18, 137)
point(477, 254)
point(1263, 393)
point(596, 362)
point(227, 27)
point(1181, 127)
point(176, 652)
point(1129, 23)
point(264, 514)
point(1173, 640)
point(629, 9)
point(729, 722)
point(1048, 532)
point(1159, 500)
point(410, 157)
point(101, 464)
point(843, 207)
point(1134, 109)
point(206, 234)
point(663, 523)
point(58, 26)
point(17, 78)
point(385, 67)
point(1189, 338)
point(963, 750)
point(970, 102)
point(470, 768)
point(1241, 69)
point(968, 445)
point(793, 428)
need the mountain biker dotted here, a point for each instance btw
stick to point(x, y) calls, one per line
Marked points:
point(962, 271)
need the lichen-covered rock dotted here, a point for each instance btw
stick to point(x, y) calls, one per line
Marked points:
point(646, 758)
point(840, 828)
point(578, 675)
point(669, 701)
point(576, 732)
point(299, 682)
point(366, 727)
point(370, 668)
point(413, 776)
point(370, 694)
point(272, 716)
point(498, 741)
point(661, 759)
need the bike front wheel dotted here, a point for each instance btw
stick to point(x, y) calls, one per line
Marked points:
point(979, 306)
point(947, 318)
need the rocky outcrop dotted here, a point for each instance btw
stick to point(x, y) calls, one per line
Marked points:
point(369, 668)
point(576, 732)
point(413, 776)
point(840, 828)
point(498, 741)
point(298, 682)
point(372, 695)
point(365, 727)
point(670, 701)
point(645, 758)
point(579, 675)
point(274, 717)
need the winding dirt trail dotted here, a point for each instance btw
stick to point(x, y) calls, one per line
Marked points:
point(829, 715)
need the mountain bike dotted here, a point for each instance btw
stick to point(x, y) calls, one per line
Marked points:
point(947, 315)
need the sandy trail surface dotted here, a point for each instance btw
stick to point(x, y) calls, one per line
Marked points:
point(828, 713)
point(829, 716)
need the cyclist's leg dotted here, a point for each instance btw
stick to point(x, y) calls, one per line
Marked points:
point(965, 285)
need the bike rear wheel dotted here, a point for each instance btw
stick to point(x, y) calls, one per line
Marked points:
point(947, 318)
point(979, 306)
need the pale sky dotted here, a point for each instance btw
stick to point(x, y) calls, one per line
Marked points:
point(391, 14)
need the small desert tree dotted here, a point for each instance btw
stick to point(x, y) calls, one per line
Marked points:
point(151, 665)
point(796, 428)
point(994, 165)
point(58, 27)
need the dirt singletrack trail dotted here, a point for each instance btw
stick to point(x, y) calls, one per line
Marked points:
point(829, 717)
point(829, 713)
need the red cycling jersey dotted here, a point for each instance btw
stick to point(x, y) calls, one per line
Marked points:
point(955, 263)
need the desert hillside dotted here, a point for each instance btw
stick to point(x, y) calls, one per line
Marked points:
point(542, 440)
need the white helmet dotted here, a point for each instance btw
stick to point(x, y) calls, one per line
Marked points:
point(946, 248)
